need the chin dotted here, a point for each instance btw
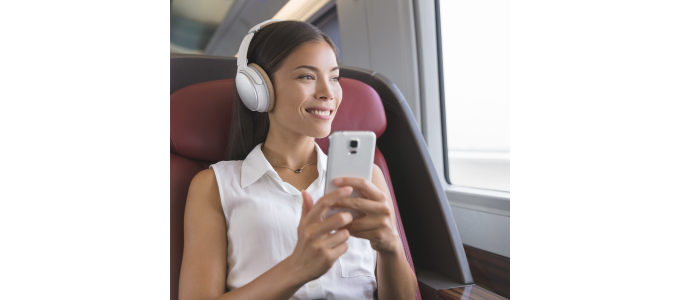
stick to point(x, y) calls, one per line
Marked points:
point(320, 133)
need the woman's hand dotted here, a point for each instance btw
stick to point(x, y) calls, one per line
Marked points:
point(317, 249)
point(376, 226)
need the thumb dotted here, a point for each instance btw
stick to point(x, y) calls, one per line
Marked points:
point(307, 203)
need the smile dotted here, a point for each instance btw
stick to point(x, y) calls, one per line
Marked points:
point(324, 114)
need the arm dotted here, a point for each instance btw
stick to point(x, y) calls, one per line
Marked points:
point(203, 273)
point(395, 279)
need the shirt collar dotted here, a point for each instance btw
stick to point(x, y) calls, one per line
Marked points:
point(256, 165)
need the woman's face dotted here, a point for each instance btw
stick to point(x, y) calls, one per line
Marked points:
point(307, 91)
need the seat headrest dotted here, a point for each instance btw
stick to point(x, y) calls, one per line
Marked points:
point(200, 116)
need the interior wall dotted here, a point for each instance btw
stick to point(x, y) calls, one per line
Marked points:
point(328, 23)
point(486, 231)
point(379, 35)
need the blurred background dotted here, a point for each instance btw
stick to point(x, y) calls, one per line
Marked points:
point(474, 44)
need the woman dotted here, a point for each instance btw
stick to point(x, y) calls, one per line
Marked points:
point(248, 229)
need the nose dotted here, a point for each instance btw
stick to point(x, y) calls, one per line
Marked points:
point(324, 91)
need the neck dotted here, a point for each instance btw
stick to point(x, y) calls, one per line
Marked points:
point(289, 149)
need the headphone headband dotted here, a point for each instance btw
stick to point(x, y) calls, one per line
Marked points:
point(242, 60)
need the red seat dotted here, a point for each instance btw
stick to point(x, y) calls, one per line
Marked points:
point(200, 117)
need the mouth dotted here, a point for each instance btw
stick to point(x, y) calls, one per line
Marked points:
point(320, 112)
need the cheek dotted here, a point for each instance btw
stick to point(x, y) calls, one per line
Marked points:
point(338, 92)
point(291, 97)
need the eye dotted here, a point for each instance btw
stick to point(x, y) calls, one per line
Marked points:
point(337, 78)
point(305, 76)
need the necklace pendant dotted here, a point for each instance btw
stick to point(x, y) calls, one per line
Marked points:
point(297, 170)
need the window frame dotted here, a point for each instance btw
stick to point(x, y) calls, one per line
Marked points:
point(478, 199)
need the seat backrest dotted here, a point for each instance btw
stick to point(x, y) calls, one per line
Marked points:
point(200, 116)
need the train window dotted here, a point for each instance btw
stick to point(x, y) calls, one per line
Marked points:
point(474, 43)
point(215, 27)
point(193, 23)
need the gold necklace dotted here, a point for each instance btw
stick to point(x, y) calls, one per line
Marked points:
point(295, 170)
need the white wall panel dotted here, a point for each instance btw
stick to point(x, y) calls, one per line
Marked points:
point(486, 231)
point(379, 35)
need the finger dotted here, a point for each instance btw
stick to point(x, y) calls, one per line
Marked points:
point(367, 206)
point(377, 237)
point(363, 224)
point(339, 250)
point(307, 203)
point(330, 224)
point(366, 234)
point(367, 188)
point(336, 239)
point(326, 201)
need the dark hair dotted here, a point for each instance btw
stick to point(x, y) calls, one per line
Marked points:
point(268, 48)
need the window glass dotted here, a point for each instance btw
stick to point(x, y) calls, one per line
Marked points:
point(475, 62)
point(194, 22)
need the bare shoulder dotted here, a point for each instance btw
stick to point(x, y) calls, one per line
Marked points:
point(204, 176)
point(204, 189)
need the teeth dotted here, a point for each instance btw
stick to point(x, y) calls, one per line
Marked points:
point(321, 112)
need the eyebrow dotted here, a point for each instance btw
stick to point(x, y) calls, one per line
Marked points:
point(314, 68)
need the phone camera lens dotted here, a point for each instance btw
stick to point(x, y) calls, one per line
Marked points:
point(353, 144)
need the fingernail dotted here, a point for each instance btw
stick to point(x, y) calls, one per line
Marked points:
point(347, 190)
point(338, 181)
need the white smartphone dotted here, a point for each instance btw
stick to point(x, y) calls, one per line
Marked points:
point(350, 154)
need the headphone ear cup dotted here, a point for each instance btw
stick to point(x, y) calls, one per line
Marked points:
point(268, 83)
point(245, 85)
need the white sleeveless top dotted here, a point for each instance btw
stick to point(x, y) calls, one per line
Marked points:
point(262, 215)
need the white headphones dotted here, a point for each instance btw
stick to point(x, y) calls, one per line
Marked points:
point(253, 85)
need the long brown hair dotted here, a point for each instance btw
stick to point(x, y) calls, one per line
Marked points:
point(268, 48)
